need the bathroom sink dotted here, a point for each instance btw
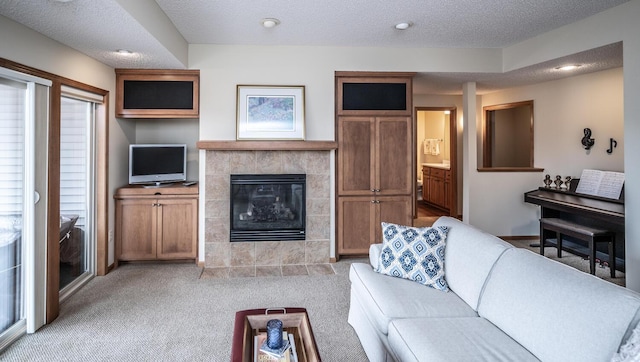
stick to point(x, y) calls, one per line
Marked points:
point(444, 166)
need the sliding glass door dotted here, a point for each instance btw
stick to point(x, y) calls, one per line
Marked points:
point(12, 164)
point(76, 180)
point(53, 169)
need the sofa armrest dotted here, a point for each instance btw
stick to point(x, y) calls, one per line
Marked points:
point(374, 254)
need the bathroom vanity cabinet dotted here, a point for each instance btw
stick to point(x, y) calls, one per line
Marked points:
point(436, 183)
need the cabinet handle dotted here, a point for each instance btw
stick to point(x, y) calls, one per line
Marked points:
point(377, 201)
point(376, 190)
point(373, 201)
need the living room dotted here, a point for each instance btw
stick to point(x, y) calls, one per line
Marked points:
point(610, 108)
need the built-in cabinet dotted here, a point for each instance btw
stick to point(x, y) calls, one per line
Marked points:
point(436, 185)
point(374, 157)
point(156, 223)
point(157, 93)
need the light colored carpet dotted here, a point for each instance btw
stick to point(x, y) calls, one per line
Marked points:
point(154, 312)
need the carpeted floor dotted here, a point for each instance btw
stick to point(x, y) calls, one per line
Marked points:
point(154, 312)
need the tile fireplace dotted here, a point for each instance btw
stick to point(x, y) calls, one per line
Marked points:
point(251, 258)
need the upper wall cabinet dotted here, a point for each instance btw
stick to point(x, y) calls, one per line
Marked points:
point(374, 93)
point(157, 93)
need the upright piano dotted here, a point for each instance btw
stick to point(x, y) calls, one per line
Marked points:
point(583, 209)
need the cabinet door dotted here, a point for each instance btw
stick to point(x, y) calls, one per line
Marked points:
point(177, 228)
point(436, 193)
point(136, 229)
point(393, 209)
point(393, 154)
point(355, 155)
point(356, 224)
point(447, 190)
point(425, 184)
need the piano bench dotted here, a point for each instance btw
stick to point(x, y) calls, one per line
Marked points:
point(586, 233)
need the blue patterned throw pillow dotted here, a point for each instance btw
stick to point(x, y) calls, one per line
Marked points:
point(414, 253)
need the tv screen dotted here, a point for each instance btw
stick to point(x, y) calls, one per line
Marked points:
point(157, 163)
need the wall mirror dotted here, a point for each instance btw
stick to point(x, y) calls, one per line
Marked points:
point(508, 137)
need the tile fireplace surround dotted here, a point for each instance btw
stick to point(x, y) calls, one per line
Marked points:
point(266, 257)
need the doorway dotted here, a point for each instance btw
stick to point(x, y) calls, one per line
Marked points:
point(435, 164)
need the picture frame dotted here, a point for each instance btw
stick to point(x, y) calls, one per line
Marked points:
point(270, 112)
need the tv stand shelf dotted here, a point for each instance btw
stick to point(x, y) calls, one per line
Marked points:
point(156, 223)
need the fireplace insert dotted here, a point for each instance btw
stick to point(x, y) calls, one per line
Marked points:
point(267, 207)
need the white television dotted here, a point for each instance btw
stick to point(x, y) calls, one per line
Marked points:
point(157, 163)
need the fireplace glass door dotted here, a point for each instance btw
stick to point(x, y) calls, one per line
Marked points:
point(267, 207)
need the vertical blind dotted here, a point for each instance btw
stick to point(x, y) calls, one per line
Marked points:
point(11, 147)
point(74, 120)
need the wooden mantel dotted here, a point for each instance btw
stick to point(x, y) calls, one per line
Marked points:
point(267, 145)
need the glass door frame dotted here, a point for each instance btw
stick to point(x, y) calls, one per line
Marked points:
point(45, 273)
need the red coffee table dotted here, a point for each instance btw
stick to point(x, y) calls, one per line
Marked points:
point(249, 323)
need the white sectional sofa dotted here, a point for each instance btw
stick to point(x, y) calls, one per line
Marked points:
point(504, 304)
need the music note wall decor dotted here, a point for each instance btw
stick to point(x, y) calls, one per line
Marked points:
point(587, 141)
point(612, 144)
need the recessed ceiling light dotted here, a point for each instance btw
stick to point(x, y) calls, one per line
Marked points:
point(270, 22)
point(568, 67)
point(124, 51)
point(403, 26)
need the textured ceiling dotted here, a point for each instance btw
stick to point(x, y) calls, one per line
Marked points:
point(98, 27)
point(436, 23)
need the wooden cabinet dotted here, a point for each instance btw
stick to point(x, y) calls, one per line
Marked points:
point(157, 93)
point(374, 155)
point(156, 223)
point(360, 217)
point(435, 186)
point(374, 158)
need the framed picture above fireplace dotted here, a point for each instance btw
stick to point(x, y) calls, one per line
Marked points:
point(270, 112)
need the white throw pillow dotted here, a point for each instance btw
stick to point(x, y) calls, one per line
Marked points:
point(630, 350)
point(414, 253)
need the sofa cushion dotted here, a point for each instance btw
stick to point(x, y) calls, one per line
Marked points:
point(386, 298)
point(453, 339)
point(414, 253)
point(555, 311)
point(469, 256)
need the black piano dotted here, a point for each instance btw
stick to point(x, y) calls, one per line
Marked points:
point(583, 209)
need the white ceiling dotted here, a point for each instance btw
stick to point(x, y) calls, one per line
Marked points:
point(98, 27)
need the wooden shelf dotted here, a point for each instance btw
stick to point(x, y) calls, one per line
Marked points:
point(267, 145)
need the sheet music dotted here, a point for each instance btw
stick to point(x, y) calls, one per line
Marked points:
point(611, 185)
point(601, 183)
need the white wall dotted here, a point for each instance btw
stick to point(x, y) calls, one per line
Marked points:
point(25, 46)
point(562, 109)
point(222, 67)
